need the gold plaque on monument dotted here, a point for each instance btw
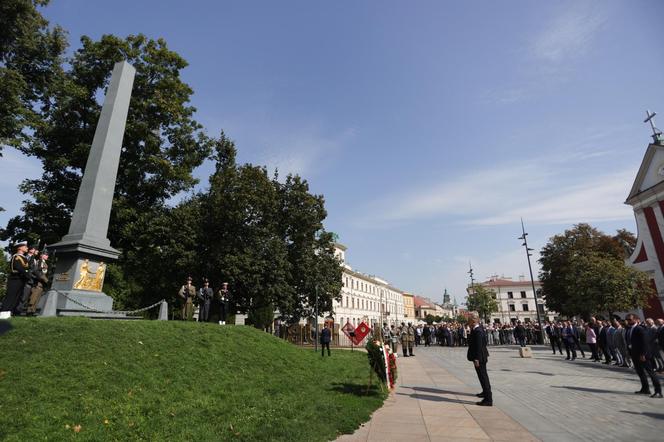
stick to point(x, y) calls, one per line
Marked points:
point(89, 280)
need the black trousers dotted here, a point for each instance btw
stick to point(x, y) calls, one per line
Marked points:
point(607, 353)
point(13, 295)
point(483, 377)
point(323, 345)
point(643, 369)
point(556, 341)
point(593, 349)
point(577, 343)
point(570, 346)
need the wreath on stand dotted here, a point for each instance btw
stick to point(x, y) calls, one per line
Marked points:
point(382, 362)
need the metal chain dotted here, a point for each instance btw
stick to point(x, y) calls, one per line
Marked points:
point(126, 312)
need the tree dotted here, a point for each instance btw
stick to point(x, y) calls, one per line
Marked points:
point(30, 63)
point(161, 147)
point(583, 272)
point(314, 272)
point(162, 143)
point(482, 300)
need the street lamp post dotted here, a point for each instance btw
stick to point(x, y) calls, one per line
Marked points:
point(524, 238)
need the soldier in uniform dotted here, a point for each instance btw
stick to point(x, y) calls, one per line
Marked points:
point(403, 334)
point(39, 281)
point(224, 303)
point(187, 293)
point(205, 295)
point(411, 338)
point(19, 274)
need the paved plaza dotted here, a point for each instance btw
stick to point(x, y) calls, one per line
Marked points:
point(544, 398)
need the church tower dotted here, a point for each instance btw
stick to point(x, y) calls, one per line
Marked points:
point(647, 199)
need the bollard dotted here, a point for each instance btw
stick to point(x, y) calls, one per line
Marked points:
point(525, 352)
point(163, 311)
point(50, 307)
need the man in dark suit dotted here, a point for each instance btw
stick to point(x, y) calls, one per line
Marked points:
point(479, 356)
point(639, 349)
point(325, 338)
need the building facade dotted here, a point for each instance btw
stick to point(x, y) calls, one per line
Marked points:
point(408, 307)
point(647, 199)
point(516, 301)
point(366, 298)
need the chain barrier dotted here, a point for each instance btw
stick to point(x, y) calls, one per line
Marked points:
point(125, 312)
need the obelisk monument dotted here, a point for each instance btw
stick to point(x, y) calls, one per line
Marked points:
point(82, 254)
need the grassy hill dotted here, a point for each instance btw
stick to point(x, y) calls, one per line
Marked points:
point(81, 379)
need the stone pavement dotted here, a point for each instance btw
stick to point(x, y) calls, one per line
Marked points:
point(431, 404)
point(544, 398)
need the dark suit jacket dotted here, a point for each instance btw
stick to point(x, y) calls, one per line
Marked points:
point(660, 337)
point(477, 346)
point(325, 336)
point(638, 342)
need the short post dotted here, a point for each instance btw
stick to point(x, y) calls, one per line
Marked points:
point(50, 308)
point(163, 311)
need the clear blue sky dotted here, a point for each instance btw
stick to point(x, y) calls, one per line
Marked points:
point(429, 126)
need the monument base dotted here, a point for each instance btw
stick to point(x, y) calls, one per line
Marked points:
point(74, 303)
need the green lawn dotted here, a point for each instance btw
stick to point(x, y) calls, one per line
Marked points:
point(81, 379)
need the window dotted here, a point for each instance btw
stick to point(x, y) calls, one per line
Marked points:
point(525, 307)
point(512, 308)
point(510, 295)
point(540, 307)
point(523, 294)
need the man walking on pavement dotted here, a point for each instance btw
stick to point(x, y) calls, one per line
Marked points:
point(479, 356)
point(637, 342)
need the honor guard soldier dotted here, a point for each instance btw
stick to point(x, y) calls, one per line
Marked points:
point(187, 293)
point(19, 274)
point(205, 295)
point(224, 303)
point(39, 282)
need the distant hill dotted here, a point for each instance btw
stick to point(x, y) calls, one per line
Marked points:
point(83, 379)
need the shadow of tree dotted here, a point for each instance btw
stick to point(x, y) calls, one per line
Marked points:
point(355, 389)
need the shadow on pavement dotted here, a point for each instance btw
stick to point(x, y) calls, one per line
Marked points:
point(355, 389)
point(429, 397)
point(590, 390)
point(645, 413)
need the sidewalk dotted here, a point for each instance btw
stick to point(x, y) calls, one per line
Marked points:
point(430, 404)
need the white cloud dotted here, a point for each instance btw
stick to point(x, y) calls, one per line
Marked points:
point(545, 190)
point(550, 56)
point(570, 34)
point(302, 151)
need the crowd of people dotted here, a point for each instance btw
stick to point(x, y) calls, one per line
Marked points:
point(455, 334)
point(26, 280)
point(621, 342)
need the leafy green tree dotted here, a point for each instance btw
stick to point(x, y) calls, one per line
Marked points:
point(162, 145)
point(31, 54)
point(162, 142)
point(583, 272)
point(242, 245)
point(314, 272)
point(482, 300)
